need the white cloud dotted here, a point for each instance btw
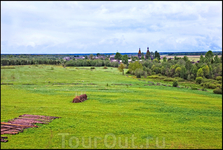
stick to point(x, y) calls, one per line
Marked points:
point(74, 27)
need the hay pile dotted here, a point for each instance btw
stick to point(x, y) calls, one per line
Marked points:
point(80, 98)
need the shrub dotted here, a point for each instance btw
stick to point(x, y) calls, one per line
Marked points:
point(203, 89)
point(92, 67)
point(200, 73)
point(218, 85)
point(175, 83)
point(51, 68)
point(105, 67)
point(168, 79)
point(145, 74)
point(128, 72)
point(154, 77)
point(212, 86)
point(153, 73)
point(193, 88)
point(192, 77)
point(188, 77)
point(179, 79)
point(218, 90)
point(138, 73)
point(206, 85)
point(220, 82)
point(218, 78)
point(135, 65)
point(162, 77)
point(199, 80)
point(149, 71)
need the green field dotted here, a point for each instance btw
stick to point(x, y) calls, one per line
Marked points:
point(118, 108)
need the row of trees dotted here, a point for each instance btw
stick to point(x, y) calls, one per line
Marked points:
point(89, 62)
point(30, 61)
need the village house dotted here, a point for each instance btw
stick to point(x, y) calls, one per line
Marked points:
point(112, 58)
point(79, 57)
point(99, 57)
point(66, 58)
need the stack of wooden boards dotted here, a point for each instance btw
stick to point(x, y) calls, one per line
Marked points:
point(17, 125)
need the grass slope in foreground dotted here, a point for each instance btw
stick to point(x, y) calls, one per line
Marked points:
point(118, 108)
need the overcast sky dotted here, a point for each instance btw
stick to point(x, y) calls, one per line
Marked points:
point(58, 27)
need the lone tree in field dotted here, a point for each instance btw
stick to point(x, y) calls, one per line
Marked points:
point(121, 68)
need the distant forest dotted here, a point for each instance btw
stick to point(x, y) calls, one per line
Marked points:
point(104, 54)
point(191, 53)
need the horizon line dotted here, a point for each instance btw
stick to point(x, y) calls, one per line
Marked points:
point(111, 52)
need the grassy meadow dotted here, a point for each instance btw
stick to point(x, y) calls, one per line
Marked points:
point(118, 108)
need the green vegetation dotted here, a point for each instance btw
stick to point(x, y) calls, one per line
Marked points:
point(208, 71)
point(118, 56)
point(120, 105)
point(218, 90)
point(125, 59)
point(175, 83)
point(199, 80)
point(121, 68)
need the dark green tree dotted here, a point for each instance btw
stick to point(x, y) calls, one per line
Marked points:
point(216, 59)
point(188, 65)
point(201, 59)
point(183, 73)
point(193, 71)
point(142, 56)
point(209, 55)
point(118, 56)
point(185, 58)
point(125, 59)
point(157, 55)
